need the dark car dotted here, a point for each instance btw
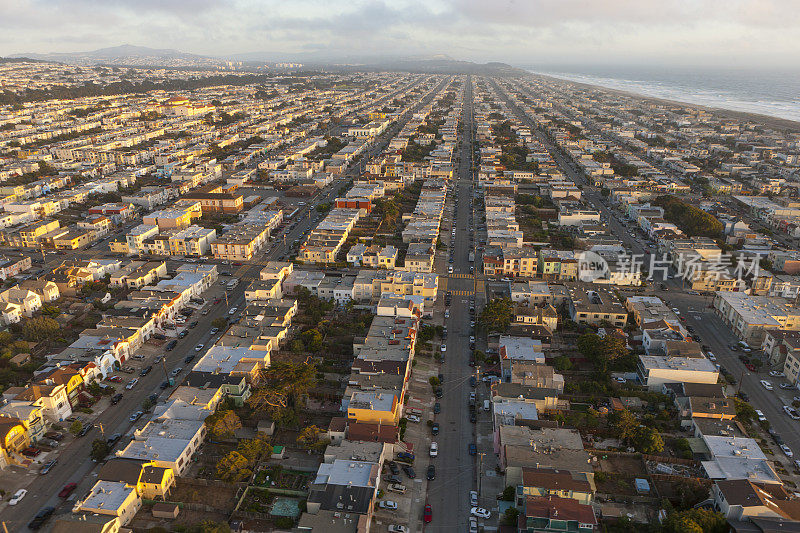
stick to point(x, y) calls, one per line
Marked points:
point(431, 474)
point(41, 517)
point(438, 392)
point(473, 382)
point(182, 334)
point(409, 470)
point(405, 456)
point(171, 345)
point(435, 428)
point(113, 439)
point(164, 385)
point(744, 396)
point(437, 408)
point(86, 429)
point(188, 358)
point(393, 468)
point(116, 398)
point(473, 417)
point(146, 370)
point(193, 324)
point(153, 397)
point(393, 478)
point(55, 435)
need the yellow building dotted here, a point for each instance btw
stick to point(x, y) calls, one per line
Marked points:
point(31, 233)
point(373, 408)
point(73, 239)
point(13, 439)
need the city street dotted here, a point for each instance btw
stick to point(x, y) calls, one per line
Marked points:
point(448, 494)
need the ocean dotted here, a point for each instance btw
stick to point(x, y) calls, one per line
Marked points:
point(774, 93)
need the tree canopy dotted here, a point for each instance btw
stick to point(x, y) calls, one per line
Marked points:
point(497, 315)
point(692, 220)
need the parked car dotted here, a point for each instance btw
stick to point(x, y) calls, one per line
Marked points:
point(434, 451)
point(410, 472)
point(766, 384)
point(413, 418)
point(437, 408)
point(395, 528)
point(398, 488)
point(189, 358)
point(85, 429)
point(760, 415)
point(427, 513)
point(113, 439)
point(431, 473)
point(116, 398)
point(48, 466)
point(146, 370)
point(171, 345)
point(41, 517)
point(435, 428)
point(388, 504)
point(786, 450)
point(15, 499)
point(67, 490)
point(114, 379)
point(177, 370)
point(393, 468)
point(480, 512)
point(199, 347)
point(135, 416)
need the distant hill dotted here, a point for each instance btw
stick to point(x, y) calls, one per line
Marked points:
point(440, 66)
point(22, 60)
point(126, 54)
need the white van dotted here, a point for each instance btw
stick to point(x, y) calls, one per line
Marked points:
point(487, 405)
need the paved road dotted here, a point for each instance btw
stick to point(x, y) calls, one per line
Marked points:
point(455, 468)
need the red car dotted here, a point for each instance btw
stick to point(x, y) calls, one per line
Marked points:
point(31, 451)
point(114, 379)
point(67, 490)
point(428, 514)
point(750, 367)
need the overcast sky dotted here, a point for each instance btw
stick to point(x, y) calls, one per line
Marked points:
point(521, 32)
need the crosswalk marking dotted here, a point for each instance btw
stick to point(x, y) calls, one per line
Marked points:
point(462, 293)
point(460, 275)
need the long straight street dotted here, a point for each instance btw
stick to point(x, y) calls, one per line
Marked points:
point(448, 494)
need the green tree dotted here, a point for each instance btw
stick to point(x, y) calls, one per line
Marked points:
point(509, 494)
point(312, 339)
point(625, 424)
point(312, 438)
point(100, 449)
point(511, 516)
point(219, 323)
point(40, 328)
point(648, 440)
point(223, 423)
point(286, 386)
point(695, 520)
point(744, 411)
point(76, 427)
point(233, 467)
point(497, 315)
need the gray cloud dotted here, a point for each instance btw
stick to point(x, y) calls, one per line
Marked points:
point(517, 31)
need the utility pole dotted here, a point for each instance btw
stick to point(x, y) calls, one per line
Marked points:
point(480, 470)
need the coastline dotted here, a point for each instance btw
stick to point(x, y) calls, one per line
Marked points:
point(769, 121)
